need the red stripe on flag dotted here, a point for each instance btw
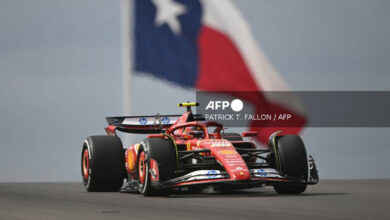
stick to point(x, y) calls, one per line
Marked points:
point(222, 68)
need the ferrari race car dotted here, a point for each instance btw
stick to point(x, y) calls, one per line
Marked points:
point(187, 153)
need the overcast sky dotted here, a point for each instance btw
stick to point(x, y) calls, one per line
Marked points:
point(60, 69)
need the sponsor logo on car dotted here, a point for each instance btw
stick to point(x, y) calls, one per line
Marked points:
point(204, 174)
point(165, 120)
point(143, 121)
point(266, 172)
point(226, 152)
point(262, 172)
point(212, 174)
point(221, 144)
point(234, 160)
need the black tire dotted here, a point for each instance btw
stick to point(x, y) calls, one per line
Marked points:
point(232, 136)
point(164, 153)
point(292, 162)
point(106, 164)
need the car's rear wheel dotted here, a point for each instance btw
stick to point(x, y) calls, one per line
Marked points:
point(102, 163)
point(292, 160)
point(163, 152)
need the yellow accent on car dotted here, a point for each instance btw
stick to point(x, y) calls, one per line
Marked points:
point(226, 152)
point(177, 154)
point(198, 143)
point(186, 104)
point(130, 160)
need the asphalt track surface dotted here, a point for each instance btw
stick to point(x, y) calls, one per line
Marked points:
point(353, 199)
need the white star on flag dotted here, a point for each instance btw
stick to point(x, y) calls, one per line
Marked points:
point(167, 13)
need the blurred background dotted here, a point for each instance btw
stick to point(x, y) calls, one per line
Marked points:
point(61, 74)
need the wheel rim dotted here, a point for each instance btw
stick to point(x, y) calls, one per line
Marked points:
point(85, 164)
point(142, 168)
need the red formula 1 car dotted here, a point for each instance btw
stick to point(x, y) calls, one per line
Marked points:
point(182, 152)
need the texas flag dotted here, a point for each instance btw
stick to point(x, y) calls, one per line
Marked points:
point(207, 45)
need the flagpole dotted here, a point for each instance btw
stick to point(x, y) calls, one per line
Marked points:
point(127, 37)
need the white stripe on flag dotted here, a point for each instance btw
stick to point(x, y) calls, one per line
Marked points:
point(223, 16)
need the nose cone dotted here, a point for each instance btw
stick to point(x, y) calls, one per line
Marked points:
point(243, 174)
point(233, 163)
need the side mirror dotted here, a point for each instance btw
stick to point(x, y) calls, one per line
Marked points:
point(249, 134)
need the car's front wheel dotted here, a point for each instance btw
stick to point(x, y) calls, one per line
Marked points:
point(292, 160)
point(157, 157)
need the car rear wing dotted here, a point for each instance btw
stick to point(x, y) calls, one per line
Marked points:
point(150, 124)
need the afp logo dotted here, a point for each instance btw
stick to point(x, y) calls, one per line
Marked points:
point(236, 105)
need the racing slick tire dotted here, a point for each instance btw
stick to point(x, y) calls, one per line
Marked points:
point(163, 152)
point(232, 136)
point(292, 162)
point(102, 163)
